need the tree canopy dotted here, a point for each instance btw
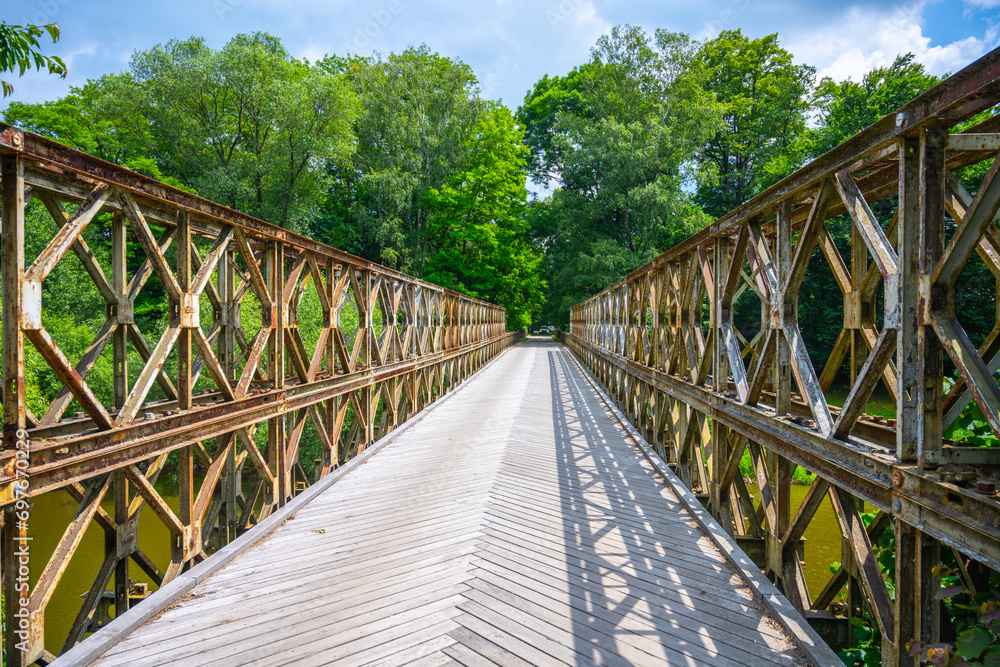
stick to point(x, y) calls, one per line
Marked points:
point(765, 97)
point(397, 158)
point(245, 125)
point(847, 107)
point(617, 136)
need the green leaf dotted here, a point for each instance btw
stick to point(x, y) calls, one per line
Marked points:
point(53, 30)
point(971, 643)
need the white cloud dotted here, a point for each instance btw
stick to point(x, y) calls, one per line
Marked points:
point(864, 38)
point(511, 44)
point(312, 52)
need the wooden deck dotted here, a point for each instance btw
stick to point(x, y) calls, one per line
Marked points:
point(514, 524)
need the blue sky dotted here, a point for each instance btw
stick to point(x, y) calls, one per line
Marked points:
point(509, 43)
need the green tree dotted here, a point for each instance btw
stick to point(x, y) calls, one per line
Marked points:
point(477, 237)
point(20, 51)
point(765, 96)
point(246, 125)
point(83, 119)
point(550, 99)
point(417, 110)
point(847, 107)
point(617, 136)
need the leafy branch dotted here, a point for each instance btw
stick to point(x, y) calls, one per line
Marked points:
point(978, 644)
point(971, 426)
point(19, 51)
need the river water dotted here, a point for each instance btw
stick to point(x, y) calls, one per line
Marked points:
point(50, 514)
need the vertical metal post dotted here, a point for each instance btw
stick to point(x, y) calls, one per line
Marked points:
point(185, 382)
point(718, 497)
point(788, 566)
point(191, 544)
point(909, 382)
point(367, 395)
point(14, 537)
point(119, 280)
point(184, 360)
point(783, 558)
point(330, 461)
point(12, 214)
point(783, 357)
point(276, 371)
point(855, 592)
point(859, 271)
point(14, 408)
point(720, 270)
point(917, 610)
point(227, 334)
point(921, 375)
point(930, 352)
point(226, 274)
point(122, 521)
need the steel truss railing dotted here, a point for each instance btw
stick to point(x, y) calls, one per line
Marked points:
point(386, 345)
point(659, 339)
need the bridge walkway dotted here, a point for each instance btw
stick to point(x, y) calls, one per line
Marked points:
point(513, 524)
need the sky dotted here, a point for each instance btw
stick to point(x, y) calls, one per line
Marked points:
point(510, 44)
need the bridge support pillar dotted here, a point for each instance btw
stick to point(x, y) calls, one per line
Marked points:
point(14, 411)
point(922, 174)
point(917, 613)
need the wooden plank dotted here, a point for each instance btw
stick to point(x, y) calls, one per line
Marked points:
point(345, 637)
point(463, 655)
point(602, 544)
point(429, 545)
point(573, 638)
point(637, 525)
point(423, 647)
point(493, 652)
point(643, 615)
point(238, 627)
point(670, 587)
point(364, 584)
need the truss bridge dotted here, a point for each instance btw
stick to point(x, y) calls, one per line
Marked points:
point(478, 498)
